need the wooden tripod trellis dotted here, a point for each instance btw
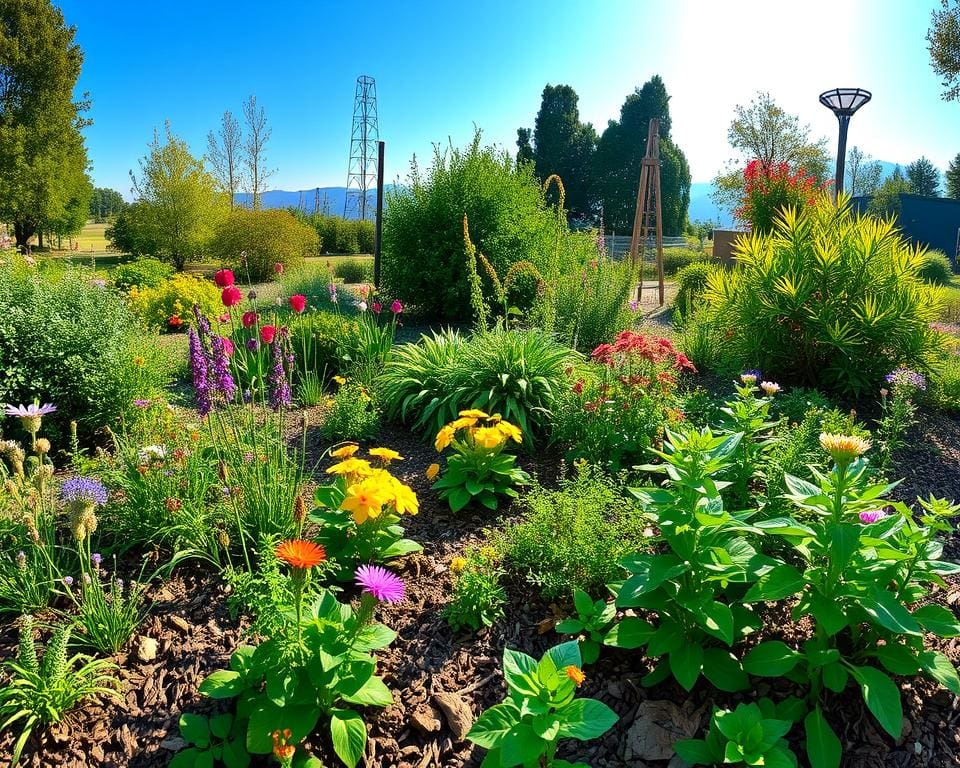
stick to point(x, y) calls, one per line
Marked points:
point(648, 218)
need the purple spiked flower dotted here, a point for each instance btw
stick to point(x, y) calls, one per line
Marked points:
point(96, 558)
point(222, 379)
point(200, 368)
point(387, 587)
point(87, 489)
point(68, 580)
point(908, 377)
point(279, 386)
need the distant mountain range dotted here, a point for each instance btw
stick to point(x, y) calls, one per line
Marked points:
point(331, 199)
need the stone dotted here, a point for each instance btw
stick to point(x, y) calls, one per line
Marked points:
point(457, 713)
point(146, 648)
point(179, 622)
point(174, 744)
point(425, 719)
point(655, 728)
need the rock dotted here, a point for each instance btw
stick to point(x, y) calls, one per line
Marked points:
point(179, 622)
point(457, 712)
point(655, 728)
point(146, 648)
point(174, 744)
point(425, 719)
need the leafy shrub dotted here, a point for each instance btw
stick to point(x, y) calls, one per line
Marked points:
point(794, 404)
point(517, 374)
point(936, 268)
point(342, 236)
point(769, 190)
point(523, 285)
point(828, 299)
point(676, 259)
point(944, 388)
point(592, 302)
point(318, 339)
point(352, 414)
point(573, 537)
point(423, 243)
point(142, 273)
point(691, 283)
point(65, 339)
point(478, 597)
point(267, 237)
point(168, 305)
point(354, 270)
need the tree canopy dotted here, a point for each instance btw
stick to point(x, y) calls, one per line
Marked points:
point(943, 42)
point(105, 203)
point(863, 173)
point(43, 182)
point(924, 178)
point(886, 200)
point(953, 178)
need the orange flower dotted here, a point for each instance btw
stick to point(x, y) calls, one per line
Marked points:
point(300, 554)
point(432, 471)
point(575, 674)
point(281, 746)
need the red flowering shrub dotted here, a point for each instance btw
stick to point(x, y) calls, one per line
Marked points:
point(618, 405)
point(771, 188)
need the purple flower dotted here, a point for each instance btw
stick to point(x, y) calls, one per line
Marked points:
point(29, 411)
point(96, 558)
point(247, 396)
point(200, 369)
point(381, 583)
point(142, 403)
point(751, 376)
point(68, 580)
point(222, 380)
point(203, 325)
point(87, 489)
point(906, 377)
point(634, 305)
point(279, 386)
point(253, 344)
point(872, 516)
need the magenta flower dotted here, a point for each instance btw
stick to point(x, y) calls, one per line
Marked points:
point(872, 516)
point(140, 403)
point(396, 307)
point(381, 583)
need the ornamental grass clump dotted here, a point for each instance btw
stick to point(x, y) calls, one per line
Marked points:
point(479, 469)
point(827, 298)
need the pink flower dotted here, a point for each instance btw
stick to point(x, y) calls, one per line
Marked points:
point(267, 332)
point(224, 318)
point(227, 346)
point(381, 583)
point(278, 268)
point(231, 296)
point(377, 306)
point(248, 319)
point(223, 278)
point(298, 302)
point(872, 516)
point(396, 307)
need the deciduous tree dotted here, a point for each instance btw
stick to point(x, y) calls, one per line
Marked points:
point(254, 150)
point(223, 153)
point(863, 173)
point(105, 202)
point(43, 159)
point(943, 42)
point(886, 201)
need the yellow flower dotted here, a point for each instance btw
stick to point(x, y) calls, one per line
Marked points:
point(494, 418)
point(463, 421)
point(365, 500)
point(139, 361)
point(488, 437)
point(444, 437)
point(488, 553)
point(386, 455)
point(844, 448)
point(346, 452)
point(458, 564)
point(351, 467)
point(575, 674)
point(432, 471)
point(473, 413)
point(404, 499)
point(508, 430)
point(340, 380)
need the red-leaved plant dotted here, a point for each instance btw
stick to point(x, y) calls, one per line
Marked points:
point(769, 188)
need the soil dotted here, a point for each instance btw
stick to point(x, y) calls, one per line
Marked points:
point(437, 674)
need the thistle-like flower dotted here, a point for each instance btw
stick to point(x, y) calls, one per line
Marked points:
point(844, 448)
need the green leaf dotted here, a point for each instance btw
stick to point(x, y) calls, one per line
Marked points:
point(373, 693)
point(686, 662)
point(586, 719)
point(784, 526)
point(937, 619)
point(695, 752)
point(349, 735)
point(897, 658)
point(267, 717)
point(235, 755)
point(844, 540)
point(717, 620)
point(493, 724)
point(630, 632)
point(185, 758)
point(882, 698)
point(521, 745)
point(373, 637)
point(889, 612)
point(823, 746)
point(458, 499)
point(782, 581)
point(520, 673)
point(569, 627)
point(722, 669)
point(195, 729)
point(835, 676)
point(220, 725)
point(222, 684)
point(830, 615)
point(651, 571)
point(565, 655)
point(772, 658)
point(941, 669)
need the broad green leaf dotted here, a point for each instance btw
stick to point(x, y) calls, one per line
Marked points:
point(882, 697)
point(686, 662)
point(937, 619)
point(222, 684)
point(630, 632)
point(823, 746)
point(889, 612)
point(941, 669)
point(349, 735)
point(717, 620)
point(781, 582)
point(493, 724)
point(586, 719)
point(267, 717)
point(656, 569)
point(373, 693)
point(722, 669)
point(772, 658)
point(520, 673)
point(185, 758)
point(220, 725)
point(565, 655)
point(695, 752)
point(195, 729)
point(835, 676)
point(898, 659)
point(521, 745)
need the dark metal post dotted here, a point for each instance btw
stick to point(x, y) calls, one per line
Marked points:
point(841, 155)
point(378, 227)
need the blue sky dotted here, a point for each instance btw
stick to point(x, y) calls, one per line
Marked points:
point(442, 67)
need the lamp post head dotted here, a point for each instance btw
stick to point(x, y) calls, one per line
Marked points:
point(845, 101)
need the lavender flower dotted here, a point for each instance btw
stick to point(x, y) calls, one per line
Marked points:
point(279, 386)
point(203, 325)
point(30, 415)
point(96, 558)
point(142, 403)
point(68, 580)
point(200, 369)
point(85, 489)
point(222, 380)
point(381, 583)
point(906, 377)
point(253, 344)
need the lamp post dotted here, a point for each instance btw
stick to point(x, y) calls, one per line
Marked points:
point(844, 102)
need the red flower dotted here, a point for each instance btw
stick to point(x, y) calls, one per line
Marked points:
point(223, 278)
point(278, 268)
point(175, 321)
point(298, 302)
point(248, 319)
point(231, 296)
point(267, 332)
point(300, 554)
point(224, 318)
point(376, 307)
point(396, 307)
point(578, 387)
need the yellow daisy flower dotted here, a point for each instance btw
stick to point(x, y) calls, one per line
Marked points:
point(458, 564)
point(463, 421)
point(351, 467)
point(432, 471)
point(386, 455)
point(473, 413)
point(364, 501)
point(346, 452)
point(488, 437)
point(510, 431)
point(444, 437)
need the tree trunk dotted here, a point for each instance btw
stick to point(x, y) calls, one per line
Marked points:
point(22, 232)
point(39, 240)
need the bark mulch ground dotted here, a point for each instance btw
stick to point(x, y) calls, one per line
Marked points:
point(442, 679)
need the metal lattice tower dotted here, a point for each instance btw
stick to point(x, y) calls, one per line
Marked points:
point(362, 170)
